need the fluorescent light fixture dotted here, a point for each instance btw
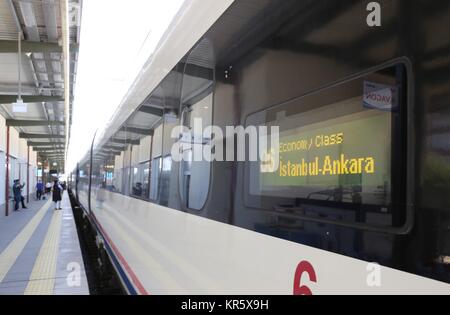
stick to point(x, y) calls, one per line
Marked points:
point(113, 49)
point(20, 107)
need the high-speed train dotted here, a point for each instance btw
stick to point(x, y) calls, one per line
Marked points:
point(358, 201)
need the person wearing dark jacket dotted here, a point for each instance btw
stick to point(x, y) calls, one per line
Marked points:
point(17, 191)
point(57, 195)
point(39, 190)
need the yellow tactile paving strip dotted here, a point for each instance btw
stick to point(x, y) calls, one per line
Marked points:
point(9, 256)
point(42, 279)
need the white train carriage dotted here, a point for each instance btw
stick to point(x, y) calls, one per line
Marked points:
point(358, 204)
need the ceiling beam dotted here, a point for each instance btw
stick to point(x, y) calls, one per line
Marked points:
point(9, 99)
point(10, 46)
point(122, 141)
point(196, 71)
point(113, 148)
point(50, 154)
point(43, 149)
point(48, 147)
point(109, 153)
point(24, 135)
point(37, 144)
point(11, 89)
point(32, 123)
point(152, 111)
point(53, 158)
point(139, 131)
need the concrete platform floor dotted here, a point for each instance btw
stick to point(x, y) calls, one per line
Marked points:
point(40, 253)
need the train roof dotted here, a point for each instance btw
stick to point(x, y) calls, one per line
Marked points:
point(179, 38)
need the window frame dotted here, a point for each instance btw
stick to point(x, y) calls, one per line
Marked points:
point(407, 134)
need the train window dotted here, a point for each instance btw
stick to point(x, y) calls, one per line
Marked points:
point(168, 176)
point(108, 174)
point(196, 105)
point(166, 173)
point(341, 153)
point(83, 182)
point(167, 166)
point(155, 170)
point(126, 170)
point(140, 183)
point(154, 178)
point(99, 178)
point(84, 176)
point(118, 170)
point(136, 146)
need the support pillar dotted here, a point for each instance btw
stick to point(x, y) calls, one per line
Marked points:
point(28, 174)
point(7, 174)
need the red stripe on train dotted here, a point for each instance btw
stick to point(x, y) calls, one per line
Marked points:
point(122, 260)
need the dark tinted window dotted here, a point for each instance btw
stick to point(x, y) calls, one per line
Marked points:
point(340, 148)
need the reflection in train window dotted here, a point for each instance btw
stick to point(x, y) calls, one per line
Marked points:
point(83, 177)
point(126, 170)
point(166, 173)
point(105, 161)
point(140, 182)
point(137, 147)
point(171, 121)
point(108, 176)
point(339, 148)
point(154, 178)
point(118, 166)
point(155, 170)
point(196, 106)
point(140, 169)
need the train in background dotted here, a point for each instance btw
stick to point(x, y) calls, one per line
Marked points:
point(360, 200)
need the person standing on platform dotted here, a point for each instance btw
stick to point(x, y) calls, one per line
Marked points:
point(57, 195)
point(48, 188)
point(17, 191)
point(39, 190)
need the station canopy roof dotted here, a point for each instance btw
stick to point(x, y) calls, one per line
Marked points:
point(42, 27)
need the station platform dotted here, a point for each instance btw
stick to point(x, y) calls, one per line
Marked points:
point(40, 252)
